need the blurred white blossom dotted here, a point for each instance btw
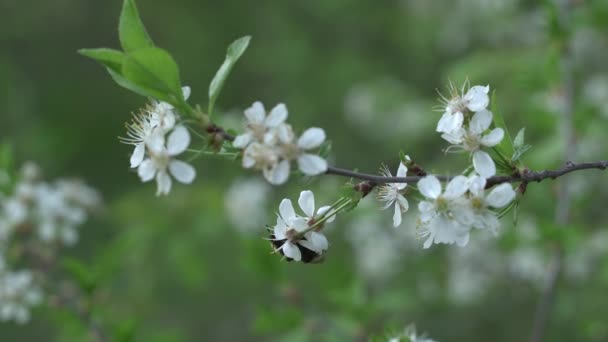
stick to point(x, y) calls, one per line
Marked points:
point(18, 293)
point(246, 202)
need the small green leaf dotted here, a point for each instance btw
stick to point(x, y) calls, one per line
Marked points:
point(81, 273)
point(519, 138)
point(110, 58)
point(131, 30)
point(519, 151)
point(154, 69)
point(506, 145)
point(234, 52)
point(143, 91)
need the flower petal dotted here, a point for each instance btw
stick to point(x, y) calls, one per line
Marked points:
point(278, 174)
point(493, 138)
point(324, 209)
point(456, 187)
point(292, 251)
point(319, 241)
point(138, 155)
point(401, 172)
point(307, 203)
point(397, 216)
point(429, 187)
point(146, 170)
point(288, 214)
point(500, 196)
point(182, 171)
point(480, 122)
point(450, 122)
point(311, 164)
point(477, 185)
point(477, 98)
point(300, 224)
point(242, 140)
point(186, 92)
point(256, 113)
point(277, 116)
point(311, 138)
point(483, 164)
point(179, 140)
point(163, 183)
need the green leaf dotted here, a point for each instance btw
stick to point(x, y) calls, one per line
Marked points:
point(81, 273)
point(131, 30)
point(153, 69)
point(125, 83)
point(519, 151)
point(506, 145)
point(519, 138)
point(234, 52)
point(110, 58)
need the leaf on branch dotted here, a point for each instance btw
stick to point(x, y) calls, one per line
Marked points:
point(131, 31)
point(154, 72)
point(519, 146)
point(234, 52)
point(110, 58)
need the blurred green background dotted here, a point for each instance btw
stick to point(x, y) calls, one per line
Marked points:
point(193, 266)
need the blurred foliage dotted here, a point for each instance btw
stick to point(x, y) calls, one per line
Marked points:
point(179, 269)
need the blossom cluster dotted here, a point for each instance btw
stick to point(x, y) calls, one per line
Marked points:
point(297, 237)
point(269, 144)
point(409, 335)
point(465, 124)
point(158, 138)
point(37, 212)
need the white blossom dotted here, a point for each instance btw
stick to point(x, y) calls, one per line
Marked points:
point(261, 127)
point(390, 193)
point(443, 215)
point(481, 203)
point(293, 231)
point(475, 99)
point(161, 163)
point(18, 293)
point(270, 145)
point(245, 203)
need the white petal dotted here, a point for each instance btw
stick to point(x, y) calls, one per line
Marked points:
point(242, 140)
point(477, 98)
point(300, 224)
point(248, 161)
point(429, 241)
point(319, 241)
point(285, 133)
point(462, 240)
point(156, 140)
point(397, 216)
point(163, 183)
point(292, 251)
point(186, 92)
point(450, 122)
point(255, 113)
point(182, 171)
point(277, 116)
point(501, 195)
point(403, 203)
point(279, 174)
point(138, 155)
point(480, 122)
point(288, 214)
point(493, 138)
point(429, 187)
point(477, 185)
point(280, 230)
point(401, 172)
point(311, 138)
point(178, 141)
point(311, 164)
point(324, 210)
point(146, 170)
point(307, 203)
point(483, 164)
point(456, 187)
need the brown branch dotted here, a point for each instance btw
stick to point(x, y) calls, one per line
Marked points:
point(526, 176)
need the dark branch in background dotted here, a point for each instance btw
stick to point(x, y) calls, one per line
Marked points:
point(563, 202)
point(526, 176)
